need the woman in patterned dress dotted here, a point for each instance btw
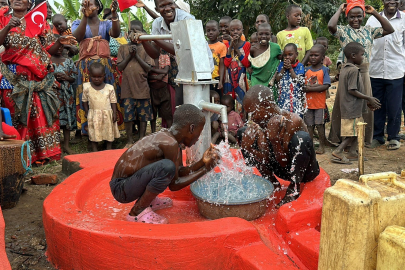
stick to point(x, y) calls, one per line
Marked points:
point(27, 83)
point(354, 32)
point(94, 37)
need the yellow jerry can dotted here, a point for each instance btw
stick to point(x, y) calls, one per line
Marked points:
point(391, 249)
point(353, 216)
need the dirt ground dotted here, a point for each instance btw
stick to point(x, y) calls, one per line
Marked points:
point(25, 237)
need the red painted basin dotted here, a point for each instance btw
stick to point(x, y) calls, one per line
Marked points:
point(86, 229)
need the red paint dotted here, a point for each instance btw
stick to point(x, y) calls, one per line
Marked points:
point(85, 228)
point(4, 263)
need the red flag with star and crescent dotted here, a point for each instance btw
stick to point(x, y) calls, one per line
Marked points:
point(124, 4)
point(35, 20)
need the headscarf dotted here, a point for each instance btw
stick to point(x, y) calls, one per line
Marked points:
point(183, 5)
point(355, 3)
point(101, 6)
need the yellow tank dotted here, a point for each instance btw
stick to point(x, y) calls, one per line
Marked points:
point(391, 249)
point(353, 216)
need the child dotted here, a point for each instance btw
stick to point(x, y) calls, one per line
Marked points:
point(249, 70)
point(289, 76)
point(300, 36)
point(135, 64)
point(324, 42)
point(218, 50)
point(263, 18)
point(61, 28)
point(317, 83)
point(234, 120)
point(253, 39)
point(351, 95)
point(236, 62)
point(264, 58)
point(159, 92)
point(100, 105)
point(215, 125)
point(65, 74)
point(224, 24)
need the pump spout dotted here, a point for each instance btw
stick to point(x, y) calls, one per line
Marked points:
point(215, 108)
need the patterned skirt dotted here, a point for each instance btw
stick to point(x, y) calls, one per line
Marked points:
point(83, 77)
point(44, 140)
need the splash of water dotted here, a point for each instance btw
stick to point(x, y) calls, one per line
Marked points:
point(235, 183)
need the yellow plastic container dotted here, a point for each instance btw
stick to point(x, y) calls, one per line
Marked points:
point(353, 216)
point(391, 249)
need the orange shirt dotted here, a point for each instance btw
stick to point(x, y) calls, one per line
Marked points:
point(317, 100)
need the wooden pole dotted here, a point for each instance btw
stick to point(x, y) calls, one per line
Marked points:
point(360, 138)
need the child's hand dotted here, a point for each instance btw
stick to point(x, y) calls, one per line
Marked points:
point(211, 157)
point(250, 70)
point(227, 37)
point(343, 7)
point(114, 117)
point(160, 77)
point(287, 64)
point(60, 77)
point(374, 103)
point(369, 9)
point(4, 136)
point(133, 50)
point(220, 85)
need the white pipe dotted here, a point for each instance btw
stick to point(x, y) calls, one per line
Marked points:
point(155, 37)
point(215, 108)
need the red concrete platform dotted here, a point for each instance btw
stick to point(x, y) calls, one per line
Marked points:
point(86, 229)
point(4, 263)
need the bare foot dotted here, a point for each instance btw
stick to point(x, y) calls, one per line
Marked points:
point(320, 150)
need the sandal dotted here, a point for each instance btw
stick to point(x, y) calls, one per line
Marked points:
point(340, 159)
point(161, 203)
point(374, 144)
point(393, 145)
point(148, 216)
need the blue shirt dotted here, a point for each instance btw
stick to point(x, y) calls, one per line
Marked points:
point(103, 29)
point(290, 95)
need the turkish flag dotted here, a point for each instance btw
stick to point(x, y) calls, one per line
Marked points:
point(35, 20)
point(124, 4)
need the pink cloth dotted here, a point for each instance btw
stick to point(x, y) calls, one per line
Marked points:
point(234, 122)
point(327, 62)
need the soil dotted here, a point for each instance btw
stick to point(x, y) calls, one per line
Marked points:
point(25, 237)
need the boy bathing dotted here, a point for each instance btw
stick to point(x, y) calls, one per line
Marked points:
point(155, 162)
point(277, 143)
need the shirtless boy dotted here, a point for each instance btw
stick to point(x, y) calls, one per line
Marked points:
point(277, 143)
point(155, 162)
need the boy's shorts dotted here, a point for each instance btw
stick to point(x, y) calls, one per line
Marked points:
point(348, 127)
point(137, 109)
point(161, 102)
point(314, 117)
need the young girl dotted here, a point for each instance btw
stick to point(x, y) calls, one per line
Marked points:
point(264, 58)
point(290, 78)
point(234, 120)
point(102, 115)
point(65, 75)
point(301, 36)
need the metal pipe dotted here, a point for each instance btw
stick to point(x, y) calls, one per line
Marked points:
point(215, 108)
point(155, 37)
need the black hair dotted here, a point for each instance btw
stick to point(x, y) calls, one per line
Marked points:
point(226, 18)
point(228, 98)
point(266, 16)
point(292, 45)
point(254, 33)
point(58, 16)
point(188, 114)
point(96, 65)
point(236, 21)
point(264, 25)
point(107, 12)
point(213, 93)
point(320, 47)
point(322, 38)
point(137, 23)
point(352, 48)
point(259, 94)
point(289, 8)
point(212, 22)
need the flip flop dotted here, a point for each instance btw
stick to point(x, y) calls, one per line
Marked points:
point(393, 145)
point(341, 161)
point(161, 203)
point(148, 216)
point(374, 144)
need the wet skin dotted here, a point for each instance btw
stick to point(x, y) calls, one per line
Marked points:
point(271, 124)
point(165, 144)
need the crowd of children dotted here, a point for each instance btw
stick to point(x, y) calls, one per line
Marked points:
point(293, 66)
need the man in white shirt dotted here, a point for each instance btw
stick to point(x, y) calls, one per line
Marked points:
point(161, 26)
point(387, 67)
